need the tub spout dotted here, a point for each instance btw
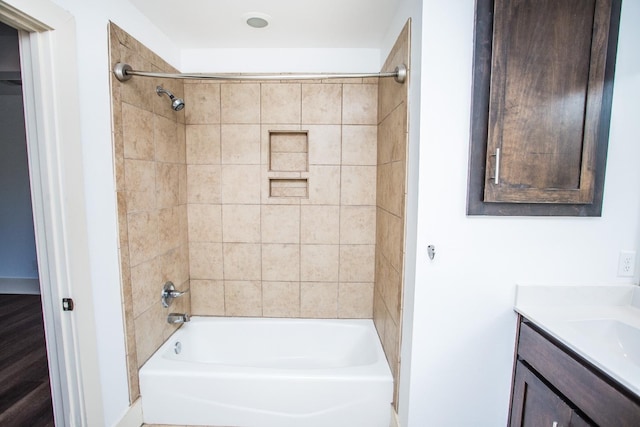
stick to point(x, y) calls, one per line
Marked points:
point(176, 318)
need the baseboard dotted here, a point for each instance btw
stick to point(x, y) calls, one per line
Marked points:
point(11, 285)
point(133, 416)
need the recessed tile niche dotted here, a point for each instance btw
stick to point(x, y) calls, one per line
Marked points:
point(288, 164)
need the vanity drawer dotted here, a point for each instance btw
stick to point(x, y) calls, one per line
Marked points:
point(587, 389)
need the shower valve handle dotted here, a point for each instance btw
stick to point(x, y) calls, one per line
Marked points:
point(169, 292)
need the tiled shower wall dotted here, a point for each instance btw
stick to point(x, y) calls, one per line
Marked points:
point(253, 253)
point(151, 181)
point(391, 200)
point(195, 201)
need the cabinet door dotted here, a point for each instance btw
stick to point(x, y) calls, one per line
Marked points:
point(542, 89)
point(535, 404)
point(578, 421)
point(547, 82)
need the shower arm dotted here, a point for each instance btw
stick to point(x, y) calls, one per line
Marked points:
point(124, 72)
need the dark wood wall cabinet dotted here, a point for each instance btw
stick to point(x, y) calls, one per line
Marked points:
point(554, 387)
point(542, 89)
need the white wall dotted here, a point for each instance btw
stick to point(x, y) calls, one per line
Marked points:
point(463, 323)
point(280, 60)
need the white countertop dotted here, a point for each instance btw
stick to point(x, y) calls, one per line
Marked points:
point(600, 323)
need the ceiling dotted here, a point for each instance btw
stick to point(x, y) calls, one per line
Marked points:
point(202, 24)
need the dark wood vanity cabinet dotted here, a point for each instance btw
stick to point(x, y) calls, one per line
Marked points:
point(553, 387)
point(543, 77)
point(536, 404)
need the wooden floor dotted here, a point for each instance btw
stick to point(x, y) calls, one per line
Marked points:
point(25, 397)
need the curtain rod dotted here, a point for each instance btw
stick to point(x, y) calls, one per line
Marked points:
point(124, 72)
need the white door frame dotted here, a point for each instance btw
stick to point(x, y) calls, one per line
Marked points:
point(52, 117)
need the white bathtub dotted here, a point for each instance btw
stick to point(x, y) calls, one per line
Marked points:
point(252, 372)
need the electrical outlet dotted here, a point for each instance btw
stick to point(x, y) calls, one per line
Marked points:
point(627, 264)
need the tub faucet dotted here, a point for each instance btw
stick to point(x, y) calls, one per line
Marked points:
point(175, 318)
point(169, 292)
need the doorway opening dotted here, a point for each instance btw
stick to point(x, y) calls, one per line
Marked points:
point(25, 390)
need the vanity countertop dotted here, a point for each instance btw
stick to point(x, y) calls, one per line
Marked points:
point(600, 323)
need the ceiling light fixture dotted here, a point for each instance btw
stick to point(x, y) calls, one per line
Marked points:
point(257, 20)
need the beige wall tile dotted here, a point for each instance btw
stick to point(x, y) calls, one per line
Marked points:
point(280, 224)
point(140, 185)
point(241, 223)
point(203, 103)
point(118, 161)
point(360, 104)
point(324, 144)
point(207, 297)
point(242, 261)
point(322, 103)
point(168, 229)
point(205, 260)
point(324, 185)
point(359, 145)
point(243, 298)
point(358, 185)
point(137, 127)
point(320, 224)
point(167, 185)
point(132, 368)
point(380, 315)
point(149, 332)
point(357, 225)
point(203, 144)
point(181, 146)
point(205, 223)
point(281, 103)
point(166, 140)
point(281, 299)
point(146, 285)
point(182, 184)
point(240, 144)
point(138, 92)
point(281, 262)
point(355, 300)
point(143, 236)
point(240, 102)
point(319, 263)
point(393, 136)
point(382, 231)
point(241, 184)
point(389, 285)
point(203, 184)
point(391, 183)
point(357, 263)
point(391, 342)
point(319, 300)
point(396, 241)
point(174, 266)
point(123, 237)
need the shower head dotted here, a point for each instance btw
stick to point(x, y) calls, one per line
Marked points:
point(176, 103)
